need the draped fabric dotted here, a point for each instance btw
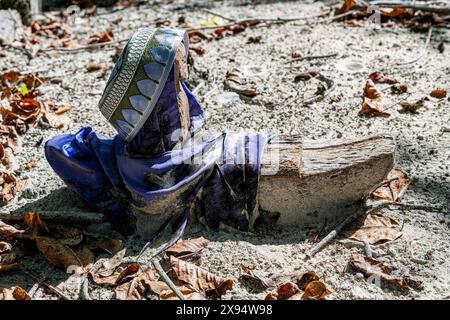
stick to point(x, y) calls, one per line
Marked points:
point(215, 176)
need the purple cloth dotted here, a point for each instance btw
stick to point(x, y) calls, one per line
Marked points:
point(217, 176)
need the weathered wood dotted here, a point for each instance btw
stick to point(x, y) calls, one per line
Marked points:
point(78, 217)
point(316, 183)
point(183, 102)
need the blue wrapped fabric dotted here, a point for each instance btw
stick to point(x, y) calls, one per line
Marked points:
point(151, 172)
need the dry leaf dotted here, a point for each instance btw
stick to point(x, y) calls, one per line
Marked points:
point(9, 232)
point(199, 278)
point(10, 186)
point(438, 94)
point(395, 189)
point(376, 228)
point(191, 246)
point(399, 88)
point(101, 38)
point(347, 6)
point(4, 247)
point(90, 67)
point(53, 119)
point(372, 104)
point(131, 269)
point(32, 164)
point(393, 12)
point(111, 246)
point(8, 262)
point(301, 279)
point(110, 265)
point(136, 289)
point(380, 77)
point(57, 253)
point(115, 279)
point(315, 290)
point(14, 293)
point(376, 270)
point(236, 81)
point(34, 223)
point(413, 107)
point(283, 292)
point(165, 293)
point(252, 279)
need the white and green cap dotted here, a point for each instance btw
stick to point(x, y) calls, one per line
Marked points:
point(138, 78)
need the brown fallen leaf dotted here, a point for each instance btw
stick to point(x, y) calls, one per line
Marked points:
point(395, 189)
point(252, 279)
point(301, 279)
point(14, 293)
point(189, 292)
point(379, 272)
point(438, 93)
point(112, 246)
point(187, 247)
point(9, 262)
point(375, 229)
point(9, 232)
point(372, 104)
point(237, 82)
point(346, 6)
point(315, 290)
point(136, 288)
point(59, 254)
point(10, 138)
point(10, 186)
point(30, 165)
point(399, 88)
point(199, 278)
point(35, 225)
point(380, 77)
point(110, 265)
point(394, 12)
point(131, 269)
point(5, 247)
point(53, 119)
point(90, 67)
point(283, 292)
point(305, 76)
point(101, 38)
point(146, 282)
point(115, 279)
point(413, 107)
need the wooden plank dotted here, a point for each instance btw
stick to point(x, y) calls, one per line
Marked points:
point(318, 182)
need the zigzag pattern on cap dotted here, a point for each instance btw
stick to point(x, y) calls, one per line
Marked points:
point(138, 78)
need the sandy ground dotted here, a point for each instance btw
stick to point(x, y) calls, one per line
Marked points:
point(423, 139)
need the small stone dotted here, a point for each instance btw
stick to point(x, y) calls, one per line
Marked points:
point(359, 276)
point(392, 252)
point(228, 97)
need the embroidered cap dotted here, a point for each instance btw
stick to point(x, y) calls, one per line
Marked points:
point(138, 78)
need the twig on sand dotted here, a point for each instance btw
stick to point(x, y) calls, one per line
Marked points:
point(87, 47)
point(166, 279)
point(422, 54)
point(85, 288)
point(59, 216)
point(274, 20)
point(424, 207)
point(411, 5)
point(55, 290)
point(325, 241)
point(218, 14)
point(315, 57)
